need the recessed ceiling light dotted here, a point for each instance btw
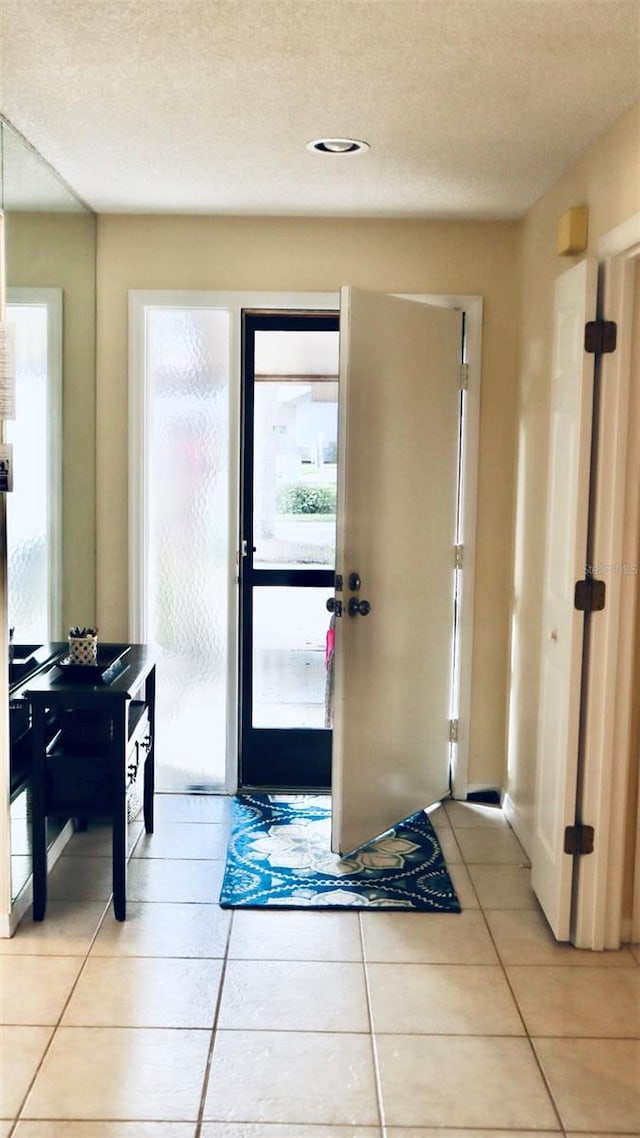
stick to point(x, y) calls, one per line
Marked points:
point(337, 146)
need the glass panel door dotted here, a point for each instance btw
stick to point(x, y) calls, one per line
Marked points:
point(289, 656)
point(289, 498)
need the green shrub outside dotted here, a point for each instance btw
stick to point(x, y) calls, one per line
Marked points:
point(300, 499)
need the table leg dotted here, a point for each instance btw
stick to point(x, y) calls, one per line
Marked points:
point(119, 813)
point(38, 815)
point(149, 763)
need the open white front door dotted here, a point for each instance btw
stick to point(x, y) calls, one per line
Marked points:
point(397, 462)
point(562, 625)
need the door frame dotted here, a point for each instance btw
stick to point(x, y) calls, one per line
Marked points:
point(138, 522)
point(287, 748)
point(599, 922)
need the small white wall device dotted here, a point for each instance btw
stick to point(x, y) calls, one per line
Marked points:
point(6, 467)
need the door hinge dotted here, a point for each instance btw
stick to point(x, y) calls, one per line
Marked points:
point(589, 595)
point(459, 556)
point(578, 840)
point(600, 337)
point(453, 730)
point(464, 377)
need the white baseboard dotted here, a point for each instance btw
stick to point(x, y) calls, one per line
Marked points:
point(10, 921)
point(626, 930)
point(20, 906)
point(520, 829)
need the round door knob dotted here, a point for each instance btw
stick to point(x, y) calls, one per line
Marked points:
point(334, 605)
point(358, 608)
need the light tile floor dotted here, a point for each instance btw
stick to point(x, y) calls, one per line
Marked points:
point(187, 1021)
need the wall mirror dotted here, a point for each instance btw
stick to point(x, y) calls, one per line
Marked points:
point(50, 241)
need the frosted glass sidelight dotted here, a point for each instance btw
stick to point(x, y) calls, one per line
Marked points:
point(289, 656)
point(188, 555)
point(27, 512)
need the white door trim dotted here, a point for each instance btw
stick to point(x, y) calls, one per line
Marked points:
point(604, 793)
point(235, 302)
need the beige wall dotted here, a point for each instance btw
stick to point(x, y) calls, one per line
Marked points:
point(57, 250)
point(607, 180)
point(321, 255)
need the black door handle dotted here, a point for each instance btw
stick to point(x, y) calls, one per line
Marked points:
point(358, 608)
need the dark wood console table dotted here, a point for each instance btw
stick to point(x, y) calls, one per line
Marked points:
point(88, 736)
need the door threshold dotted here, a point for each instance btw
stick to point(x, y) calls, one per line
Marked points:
point(283, 790)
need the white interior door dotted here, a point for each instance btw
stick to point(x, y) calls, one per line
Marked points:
point(562, 625)
point(397, 494)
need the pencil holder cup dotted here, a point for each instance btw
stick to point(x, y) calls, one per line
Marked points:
point(83, 646)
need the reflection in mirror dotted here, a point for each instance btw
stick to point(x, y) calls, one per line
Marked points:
point(34, 529)
point(50, 279)
point(29, 184)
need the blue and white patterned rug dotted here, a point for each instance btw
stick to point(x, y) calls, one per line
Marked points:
point(280, 856)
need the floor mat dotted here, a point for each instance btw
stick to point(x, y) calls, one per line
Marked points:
point(280, 856)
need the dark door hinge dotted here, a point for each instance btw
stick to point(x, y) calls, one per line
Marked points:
point(578, 840)
point(600, 336)
point(589, 595)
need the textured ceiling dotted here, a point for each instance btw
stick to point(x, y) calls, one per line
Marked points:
point(472, 107)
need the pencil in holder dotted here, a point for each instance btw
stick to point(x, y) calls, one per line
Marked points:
point(83, 646)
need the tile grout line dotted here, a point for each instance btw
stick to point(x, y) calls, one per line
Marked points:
point(107, 905)
point(212, 1041)
point(225, 960)
point(372, 1036)
point(527, 1036)
point(62, 1011)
